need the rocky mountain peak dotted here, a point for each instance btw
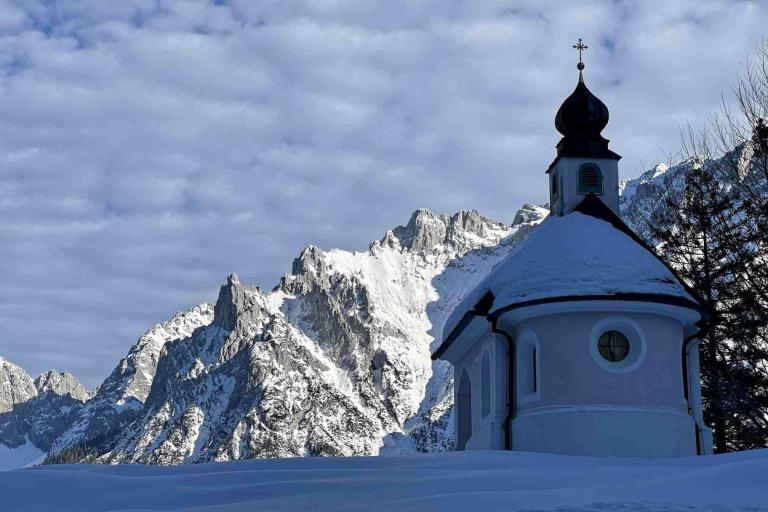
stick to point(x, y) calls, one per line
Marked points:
point(39, 410)
point(389, 240)
point(426, 231)
point(529, 213)
point(233, 301)
point(311, 259)
point(63, 383)
point(470, 221)
point(468, 230)
point(423, 232)
point(15, 385)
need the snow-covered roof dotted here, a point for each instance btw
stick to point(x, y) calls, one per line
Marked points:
point(587, 253)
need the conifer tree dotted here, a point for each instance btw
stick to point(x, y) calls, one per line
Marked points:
point(715, 233)
point(696, 230)
point(742, 138)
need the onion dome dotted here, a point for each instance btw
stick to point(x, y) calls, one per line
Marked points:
point(582, 113)
point(580, 119)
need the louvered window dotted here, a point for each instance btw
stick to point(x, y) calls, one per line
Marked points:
point(590, 179)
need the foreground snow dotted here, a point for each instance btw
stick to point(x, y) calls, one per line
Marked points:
point(472, 481)
point(25, 455)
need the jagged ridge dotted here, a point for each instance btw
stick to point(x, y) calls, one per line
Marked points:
point(37, 410)
point(334, 361)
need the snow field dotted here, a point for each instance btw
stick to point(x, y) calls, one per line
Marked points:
point(466, 481)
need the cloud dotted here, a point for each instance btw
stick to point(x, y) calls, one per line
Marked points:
point(147, 149)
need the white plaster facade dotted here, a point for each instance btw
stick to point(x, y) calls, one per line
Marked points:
point(487, 432)
point(568, 399)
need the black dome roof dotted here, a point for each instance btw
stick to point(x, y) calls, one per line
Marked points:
point(582, 114)
point(580, 119)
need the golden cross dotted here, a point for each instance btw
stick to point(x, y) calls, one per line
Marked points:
point(581, 47)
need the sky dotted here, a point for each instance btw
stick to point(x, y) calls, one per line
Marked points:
point(150, 148)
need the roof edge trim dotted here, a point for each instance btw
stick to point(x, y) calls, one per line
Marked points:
point(654, 298)
point(482, 308)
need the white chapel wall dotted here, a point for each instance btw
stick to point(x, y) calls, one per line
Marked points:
point(487, 430)
point(579, 407)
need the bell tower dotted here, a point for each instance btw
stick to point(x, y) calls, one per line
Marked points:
point(584, 165)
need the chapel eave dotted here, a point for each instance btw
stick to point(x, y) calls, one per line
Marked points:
point(583, 148)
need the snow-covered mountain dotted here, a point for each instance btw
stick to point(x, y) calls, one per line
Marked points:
point(120, 398)
point(638, 197)
point(15, 386)
point(36, 411)
point(335, 360)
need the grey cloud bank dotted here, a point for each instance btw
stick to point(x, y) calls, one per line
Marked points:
point(147, 149)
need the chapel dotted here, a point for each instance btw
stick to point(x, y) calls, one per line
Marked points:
point(582, 340)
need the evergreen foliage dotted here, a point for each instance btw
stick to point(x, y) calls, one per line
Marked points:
point(711, 224)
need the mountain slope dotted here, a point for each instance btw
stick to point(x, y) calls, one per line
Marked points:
point(334, 361)
point(36, 411)
point(120, 398)
point(15, 386)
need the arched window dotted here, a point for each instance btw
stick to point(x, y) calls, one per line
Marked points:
point(464, 411)
point(485, 381)
point(590, 179)
point(528, 366)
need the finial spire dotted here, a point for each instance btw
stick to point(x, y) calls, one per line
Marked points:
point(580, 66)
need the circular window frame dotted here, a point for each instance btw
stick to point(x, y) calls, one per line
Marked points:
point(637, 344)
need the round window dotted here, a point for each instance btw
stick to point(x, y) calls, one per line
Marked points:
point(617, 344)
point(613, 346)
